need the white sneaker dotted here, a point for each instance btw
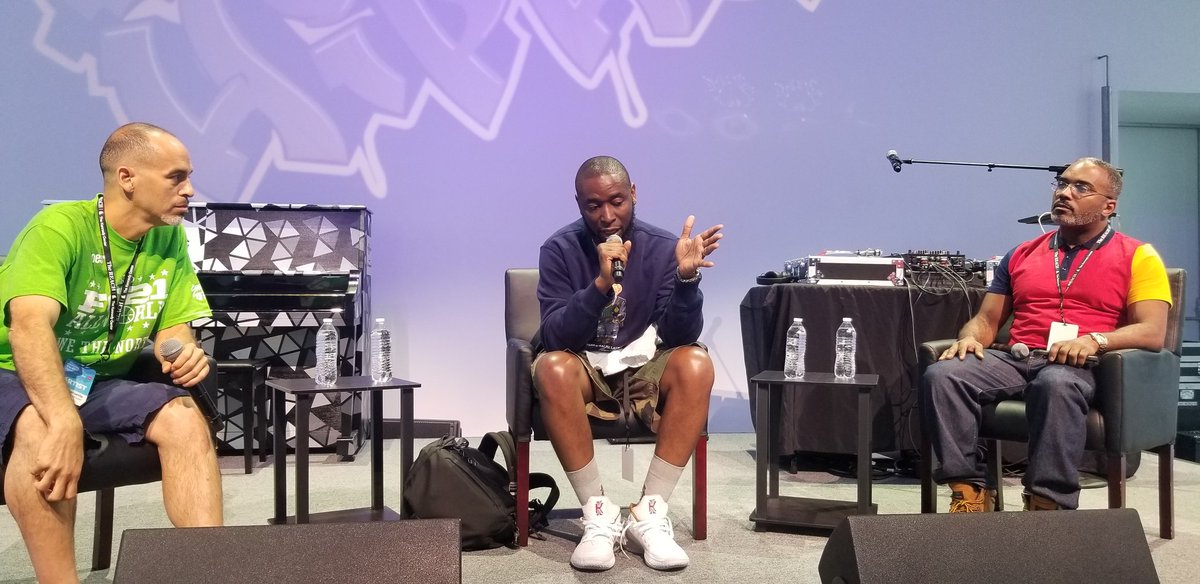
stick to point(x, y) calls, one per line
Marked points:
point(648, 532)
point(601, 532)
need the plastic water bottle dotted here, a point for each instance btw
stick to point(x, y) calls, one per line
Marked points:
point(327, 353)
point(381, 352)
point(797, 341)
point(843, 360)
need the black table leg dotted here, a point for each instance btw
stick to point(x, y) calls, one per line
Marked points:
point(260, 409)
point(376, 451)
point(775, 400)
point(280, 455)
point(864, 450)
point(248, 420)
point(406, 445)
point(303, 405)
point(762, 444)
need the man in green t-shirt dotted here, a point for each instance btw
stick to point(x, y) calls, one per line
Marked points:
point(85, 287)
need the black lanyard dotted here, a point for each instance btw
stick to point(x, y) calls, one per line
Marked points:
point(116, 299)
point(1058, 268)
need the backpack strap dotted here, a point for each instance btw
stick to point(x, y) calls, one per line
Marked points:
point(539, 510)
point(504, 442)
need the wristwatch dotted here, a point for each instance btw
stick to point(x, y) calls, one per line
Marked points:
point(1100, 340)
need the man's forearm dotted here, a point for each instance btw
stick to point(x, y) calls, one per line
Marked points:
point(978, 329)
point(35, 354)
point(1136, 336)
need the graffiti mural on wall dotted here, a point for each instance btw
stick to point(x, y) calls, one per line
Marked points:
point(305, 86)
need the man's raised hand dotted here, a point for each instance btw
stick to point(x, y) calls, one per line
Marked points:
point(690, 252)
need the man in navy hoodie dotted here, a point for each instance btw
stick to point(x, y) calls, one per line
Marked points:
point(620, 321)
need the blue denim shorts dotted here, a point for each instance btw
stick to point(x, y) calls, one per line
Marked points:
point(115, 406)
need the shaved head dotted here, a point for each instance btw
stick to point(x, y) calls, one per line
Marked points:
point(131, 143)
point(601, 166)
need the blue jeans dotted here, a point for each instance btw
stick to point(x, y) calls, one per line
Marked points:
point(1057, 399)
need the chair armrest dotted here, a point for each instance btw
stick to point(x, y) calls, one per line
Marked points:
point(929, 351)
point(1137, 392)
point(519, 404)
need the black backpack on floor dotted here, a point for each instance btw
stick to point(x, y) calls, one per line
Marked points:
point(451, 479)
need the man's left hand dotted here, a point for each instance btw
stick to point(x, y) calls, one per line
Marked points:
point(189, 368)
point(1073, 352)
point(691, 251)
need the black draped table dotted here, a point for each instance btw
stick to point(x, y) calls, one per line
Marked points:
point(891, 322)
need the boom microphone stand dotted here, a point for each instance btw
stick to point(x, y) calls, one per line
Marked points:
point(897, 161)
point(1042, 219)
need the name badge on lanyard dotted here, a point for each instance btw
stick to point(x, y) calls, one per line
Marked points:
point(1062, 330)
point(79, 380)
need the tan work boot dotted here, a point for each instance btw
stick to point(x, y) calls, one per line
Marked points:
point(1039, 503)
point(968, 498)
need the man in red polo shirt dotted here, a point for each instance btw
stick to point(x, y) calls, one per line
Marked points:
point(1072, 294)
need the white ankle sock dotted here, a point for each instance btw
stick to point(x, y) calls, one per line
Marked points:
point(662, 478)
point(586, 481)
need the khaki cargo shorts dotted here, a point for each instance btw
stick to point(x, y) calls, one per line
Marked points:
point(640, 383)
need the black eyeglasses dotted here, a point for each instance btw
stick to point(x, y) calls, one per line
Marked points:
point(1080, 189)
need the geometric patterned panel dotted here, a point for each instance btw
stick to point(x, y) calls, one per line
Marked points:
point(274, 238)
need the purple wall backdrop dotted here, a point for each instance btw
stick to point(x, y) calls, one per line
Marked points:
point(460, 124)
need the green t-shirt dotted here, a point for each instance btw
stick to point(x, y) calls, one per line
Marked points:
point(59, 255)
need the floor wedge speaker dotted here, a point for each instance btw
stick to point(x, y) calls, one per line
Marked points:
point(1106, 545)
point(422, 551)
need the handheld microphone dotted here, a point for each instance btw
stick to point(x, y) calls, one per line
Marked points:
point(170, 349)
point(895, 160)
point(618, 266)
point(1019, 351)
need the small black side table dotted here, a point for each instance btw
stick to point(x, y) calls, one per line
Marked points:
point(304, 390)
point(250, 375)
point(773, 509)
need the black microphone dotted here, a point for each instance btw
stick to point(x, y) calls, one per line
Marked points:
point(170, 349)
point(895, 159)
point(618, 266)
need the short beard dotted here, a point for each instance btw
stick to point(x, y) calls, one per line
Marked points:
point(170, 220)
point(1076, 219)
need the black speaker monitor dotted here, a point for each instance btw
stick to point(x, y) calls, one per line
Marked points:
point(424, 551)
point(1106, 545)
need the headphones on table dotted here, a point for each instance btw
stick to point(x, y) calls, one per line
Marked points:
point(772, 277)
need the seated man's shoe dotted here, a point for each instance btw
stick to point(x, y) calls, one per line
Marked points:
point(601, 532)
point(648, 532)
point(969, 498)
point(1039, 503)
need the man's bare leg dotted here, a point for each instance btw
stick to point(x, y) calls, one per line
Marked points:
point(563, 389)
point(47, 528)
point(191, 479)
point(686, 385)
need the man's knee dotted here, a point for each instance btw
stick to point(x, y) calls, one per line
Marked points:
point(28, 430)
point(559, 372)
point(1060, 384)
point(938, 372)
point(179, 422)
point(689, 367)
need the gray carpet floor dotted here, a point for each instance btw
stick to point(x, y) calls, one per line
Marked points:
point(733, 552)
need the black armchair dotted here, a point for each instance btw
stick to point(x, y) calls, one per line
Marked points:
point(522, 316)
point(112, 462)
point(1135, 409)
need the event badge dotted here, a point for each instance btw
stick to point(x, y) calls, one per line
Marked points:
point(79, 380)
point(627, 463)
point(1061, 331)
